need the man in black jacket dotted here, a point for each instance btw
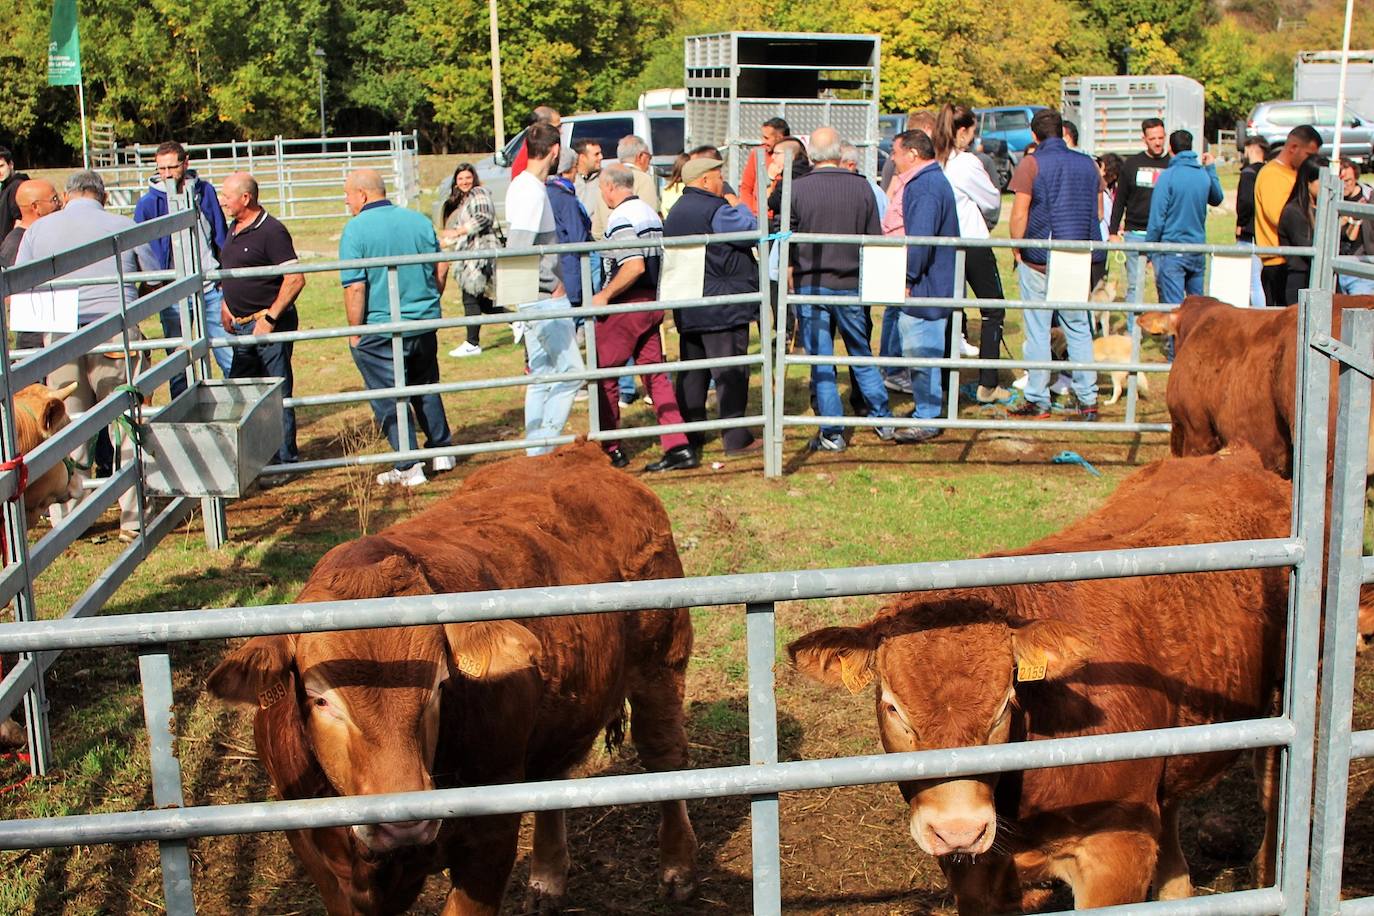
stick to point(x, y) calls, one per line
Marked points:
point(1131, 210)
point(718, 330)
point(10, 180)
point(1255, 152)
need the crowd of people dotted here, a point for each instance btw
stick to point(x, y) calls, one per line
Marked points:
point(935, 184)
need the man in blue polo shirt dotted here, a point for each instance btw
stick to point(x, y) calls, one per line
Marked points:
point(380, 229)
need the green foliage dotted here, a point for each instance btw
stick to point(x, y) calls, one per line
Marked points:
point(1238, 73)
point(1177, 23)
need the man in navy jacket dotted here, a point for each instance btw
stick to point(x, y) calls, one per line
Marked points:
point(927, 210)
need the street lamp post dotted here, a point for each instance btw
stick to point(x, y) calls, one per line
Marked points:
point(319, 62)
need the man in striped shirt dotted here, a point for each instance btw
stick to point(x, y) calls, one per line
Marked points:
point(631, 275)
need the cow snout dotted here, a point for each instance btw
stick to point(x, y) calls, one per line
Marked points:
point(386, 837)
point(949, 835)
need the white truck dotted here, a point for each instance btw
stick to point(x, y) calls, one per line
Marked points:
point(1108, 109)
point(1316, 77)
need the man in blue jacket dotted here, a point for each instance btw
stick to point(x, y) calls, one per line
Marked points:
point(172, 171)
point(927, 210)
point(1178, 213)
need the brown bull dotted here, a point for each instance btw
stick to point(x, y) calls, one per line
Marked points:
point(979, 666)
point(375, 711)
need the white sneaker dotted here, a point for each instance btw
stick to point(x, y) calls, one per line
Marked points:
point(1061, 384)
point(1020, 383)
point(466, 349)
point(444, 463)
point(411, 477)
point(967, 348)
point(517, 328)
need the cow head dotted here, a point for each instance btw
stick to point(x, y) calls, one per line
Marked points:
point(946, 676)
point(39, 413)
point(364, 705)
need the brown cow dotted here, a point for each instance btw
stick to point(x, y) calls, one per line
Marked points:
point(364, 712)
point(1233, 378)
point(39, 413)
point(992, 665)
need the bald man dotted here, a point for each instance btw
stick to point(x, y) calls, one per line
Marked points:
point(34, 199)
point(379, 229)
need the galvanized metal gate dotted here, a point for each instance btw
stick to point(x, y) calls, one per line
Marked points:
point(1298, 731)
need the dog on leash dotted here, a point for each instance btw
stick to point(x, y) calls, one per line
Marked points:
point(1116, 348)
point(1104, 292)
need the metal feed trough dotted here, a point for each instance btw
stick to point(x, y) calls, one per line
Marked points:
point(1312, 802)
point(214, 439)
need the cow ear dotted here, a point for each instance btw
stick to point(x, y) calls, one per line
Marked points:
point(491, 648)
point(837, 656)
point(256, 672)
point(1159, 322)
point(54, 412)
point(1048, 650)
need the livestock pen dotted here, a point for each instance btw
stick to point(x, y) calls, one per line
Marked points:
point(764, 777)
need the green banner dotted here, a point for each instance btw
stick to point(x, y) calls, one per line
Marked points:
point(64, 46)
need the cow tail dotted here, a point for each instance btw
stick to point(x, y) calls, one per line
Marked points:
point(615, 730)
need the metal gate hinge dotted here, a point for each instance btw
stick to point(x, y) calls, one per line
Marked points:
point(1343, 353)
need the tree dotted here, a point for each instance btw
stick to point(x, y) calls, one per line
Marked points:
point(1178, 23)
point(1237, 72)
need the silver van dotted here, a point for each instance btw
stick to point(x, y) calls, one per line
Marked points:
point(1273, 121)
point(662, 130)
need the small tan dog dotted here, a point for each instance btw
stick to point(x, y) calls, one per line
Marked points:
point(1105, 293)
point(1116, 348)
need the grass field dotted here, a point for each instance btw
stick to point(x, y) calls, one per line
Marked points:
point(844, 851)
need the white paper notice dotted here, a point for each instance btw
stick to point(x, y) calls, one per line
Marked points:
point(683, 272)
point(50, 310)
point(882, 274)
point(517, 280)
point(1070, 276)
point(1229, 279)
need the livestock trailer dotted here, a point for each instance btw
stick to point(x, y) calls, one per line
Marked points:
point(1317, 74)
point(737, 80)
point(1108, 109)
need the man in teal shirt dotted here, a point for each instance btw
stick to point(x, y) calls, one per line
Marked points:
point(380, 229)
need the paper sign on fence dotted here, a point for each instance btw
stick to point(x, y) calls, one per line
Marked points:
point(49, 310)
point(1229, 279)
point(882, 274)
point(1070, 276)
point(683, 272)
point(517, 280)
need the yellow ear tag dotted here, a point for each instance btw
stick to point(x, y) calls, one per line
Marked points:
point(271, 695)
point(1030, 669)
point(855, 674)
point(471, 665)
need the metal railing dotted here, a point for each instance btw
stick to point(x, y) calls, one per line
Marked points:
point(1295, 730)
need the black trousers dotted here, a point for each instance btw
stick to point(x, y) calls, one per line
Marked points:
point(732, 382)
point(1296, 280)
point(980, 270)
point(1274, 279)
point(477, 305)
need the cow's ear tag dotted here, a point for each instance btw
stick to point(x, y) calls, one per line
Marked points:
point(470, 665)
point(1030, 669)
point(272, 695)
point(855, 672)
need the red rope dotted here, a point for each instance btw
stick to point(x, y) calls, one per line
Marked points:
point(21, 756)
point(14, 464)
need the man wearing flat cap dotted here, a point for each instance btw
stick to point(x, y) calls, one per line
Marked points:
point(717, 330)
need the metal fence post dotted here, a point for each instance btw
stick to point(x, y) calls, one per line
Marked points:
point(284, 202)
point(763, 750)
point(155, 672)
point(398, 360)
point(783, 248)
point(1344, 575)
point(768, 377)
point(956, 333)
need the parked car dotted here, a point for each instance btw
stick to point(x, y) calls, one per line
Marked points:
point(1273, 121)
point(996, 159)
point(889, 126)
point(663, 130)
point(1009, 123)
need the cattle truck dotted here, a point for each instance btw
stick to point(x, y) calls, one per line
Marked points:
point(1317, 75)
point(1108, 109)
point(737, 80)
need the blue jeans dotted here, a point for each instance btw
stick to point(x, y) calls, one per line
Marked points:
point(1135, 268)
point(170, 317)
point(924, 338)
point(1257, 299)
point(626, 384)
point(273, 360)
point(818, 326)
point(550, 347)
point(1354, 286)
point(372, 356)
point(890, 338)
point(1178, 276)
point(1077, 333)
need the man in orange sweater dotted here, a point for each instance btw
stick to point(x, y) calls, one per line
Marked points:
point(1273, 184)
point(774, 129)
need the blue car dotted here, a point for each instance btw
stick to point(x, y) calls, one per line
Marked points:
point(1009, 123)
